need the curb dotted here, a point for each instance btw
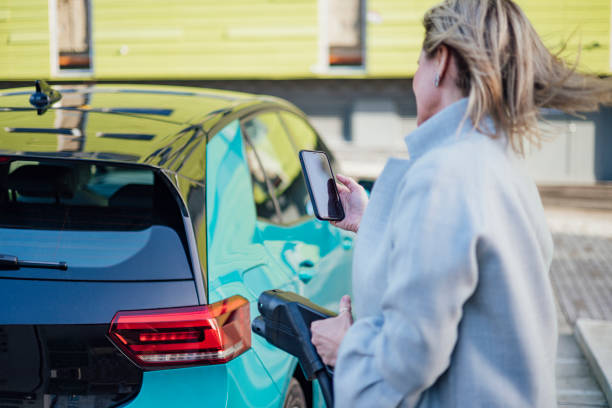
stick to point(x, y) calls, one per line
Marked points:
point(595, 339)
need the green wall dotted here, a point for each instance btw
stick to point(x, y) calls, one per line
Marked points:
point(578, 22)
point(394, 37)
point(205, 38)
point(24, 39)
point(209, 39)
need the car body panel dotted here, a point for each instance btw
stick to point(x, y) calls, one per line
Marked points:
point(316, 243)
point(92, 122)
point(210, 386)
point(197, 144)
point(108, 114)
point(249, 255)
point(237, 261)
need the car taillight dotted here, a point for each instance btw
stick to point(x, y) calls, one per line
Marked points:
point(195, 335)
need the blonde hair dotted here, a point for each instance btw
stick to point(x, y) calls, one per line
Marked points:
point(505, 69)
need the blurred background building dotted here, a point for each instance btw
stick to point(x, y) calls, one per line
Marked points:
point(347, 63)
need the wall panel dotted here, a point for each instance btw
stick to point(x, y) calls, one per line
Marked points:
point(201, 39)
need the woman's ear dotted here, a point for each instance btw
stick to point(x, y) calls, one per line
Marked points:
point(442, 62)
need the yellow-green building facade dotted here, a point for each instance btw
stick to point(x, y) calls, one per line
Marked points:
point(250, 39)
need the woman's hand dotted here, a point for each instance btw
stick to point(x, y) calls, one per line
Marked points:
point(354, 201)
point(327, 334)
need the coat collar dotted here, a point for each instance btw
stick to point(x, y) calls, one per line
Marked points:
point(440, 129)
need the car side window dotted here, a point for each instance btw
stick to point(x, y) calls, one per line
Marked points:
point(275, 169)
point(303, 135)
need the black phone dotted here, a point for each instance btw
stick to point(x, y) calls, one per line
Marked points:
point(321, 185)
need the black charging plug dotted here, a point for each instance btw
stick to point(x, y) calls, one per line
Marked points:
point(285, 323)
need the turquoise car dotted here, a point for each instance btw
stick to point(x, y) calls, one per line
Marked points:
point(138, 226)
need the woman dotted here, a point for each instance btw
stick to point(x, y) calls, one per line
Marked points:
point(453, 302)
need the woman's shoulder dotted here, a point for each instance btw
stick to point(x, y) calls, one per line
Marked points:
point(469, 157)
point(464, 172)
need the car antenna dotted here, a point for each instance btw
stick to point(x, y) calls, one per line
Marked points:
point(44, 97)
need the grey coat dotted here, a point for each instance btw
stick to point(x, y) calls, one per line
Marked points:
point(452, 297)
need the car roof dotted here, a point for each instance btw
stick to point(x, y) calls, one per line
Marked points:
point(146, 124)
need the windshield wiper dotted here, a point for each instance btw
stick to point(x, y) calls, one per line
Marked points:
point(11, 263)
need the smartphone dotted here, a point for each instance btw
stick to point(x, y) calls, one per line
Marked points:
point(321, 185)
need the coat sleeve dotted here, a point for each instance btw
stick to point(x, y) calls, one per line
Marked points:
point(392, 357)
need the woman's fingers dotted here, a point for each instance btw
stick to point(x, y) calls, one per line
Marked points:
point(345, 306)
point(350, 183)
point(347, 181)
point(342, 189)
point(354, 201)
point(327, 334)
point(343, 179)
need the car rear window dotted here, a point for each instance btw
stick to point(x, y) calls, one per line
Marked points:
point(74, 195)
point(104, 221)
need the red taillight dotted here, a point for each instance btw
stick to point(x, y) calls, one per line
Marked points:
point(195, 335)
point(178, 336)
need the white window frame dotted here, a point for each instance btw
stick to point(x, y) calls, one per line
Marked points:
point(54, 47)
point(323, 66)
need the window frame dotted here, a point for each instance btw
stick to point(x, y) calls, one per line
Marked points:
point(320, 143)
point(323, 66)
point(267, 181)
point(56, 71)
point(302, 219)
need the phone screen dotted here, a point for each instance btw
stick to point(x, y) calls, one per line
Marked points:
point(321, 185)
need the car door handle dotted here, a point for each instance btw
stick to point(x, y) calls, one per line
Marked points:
point(347, 243)
point(306, 263)
point(306, 271)
point(305, 276)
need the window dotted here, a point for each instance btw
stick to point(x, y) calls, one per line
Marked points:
point(303, 135)
point(80, 196)
point(342, 34)
point(278, 186)
point(71, 50)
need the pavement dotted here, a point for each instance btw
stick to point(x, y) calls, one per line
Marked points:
point(580, 219)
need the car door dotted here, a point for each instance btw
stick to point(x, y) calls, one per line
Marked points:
point(315, 254)
point(237, 261)
point(334, 271)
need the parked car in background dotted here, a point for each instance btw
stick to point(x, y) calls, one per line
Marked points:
point(138, 226)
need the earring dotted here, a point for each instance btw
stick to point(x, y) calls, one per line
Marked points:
point(437, 81)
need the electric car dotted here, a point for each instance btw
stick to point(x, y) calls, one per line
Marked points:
point(138, 226)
